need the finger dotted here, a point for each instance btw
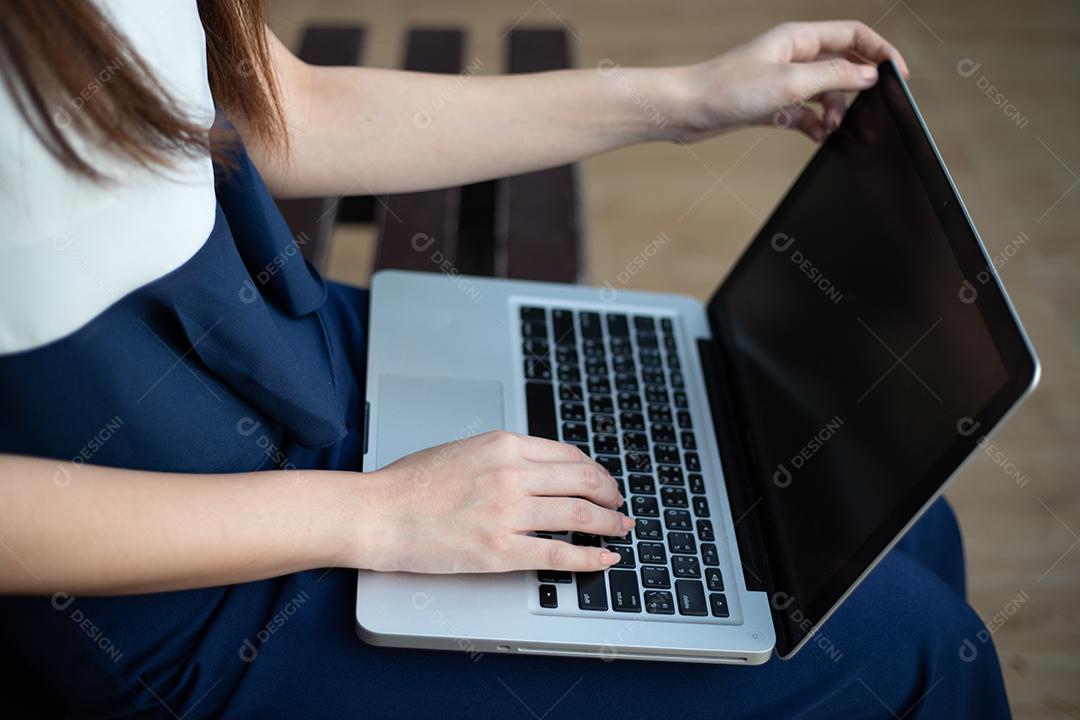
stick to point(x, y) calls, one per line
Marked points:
point(805, 80)
point(584, 479)
point(802, 119)
point(809, 40)
point(834, 105)
point(575, 514)
point(533, 553)
point(543, 450)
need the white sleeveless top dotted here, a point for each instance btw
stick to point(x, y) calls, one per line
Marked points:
point(70, 247)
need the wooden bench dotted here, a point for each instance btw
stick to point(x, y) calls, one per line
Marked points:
point(525, 227)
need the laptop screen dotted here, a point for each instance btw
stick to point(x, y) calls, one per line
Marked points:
point(870, 348)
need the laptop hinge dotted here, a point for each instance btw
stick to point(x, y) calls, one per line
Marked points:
point(747, 505)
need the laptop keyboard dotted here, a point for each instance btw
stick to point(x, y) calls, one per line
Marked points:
point(612, 384)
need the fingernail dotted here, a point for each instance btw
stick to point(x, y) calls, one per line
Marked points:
point(609, 558)
point(627, 522)
point(868, 72)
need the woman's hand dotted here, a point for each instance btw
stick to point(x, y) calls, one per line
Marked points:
point(770, 79)
point(467, 506)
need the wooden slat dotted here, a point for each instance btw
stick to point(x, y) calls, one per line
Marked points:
point(419, 231)
point(538, 226)
point(312, 219)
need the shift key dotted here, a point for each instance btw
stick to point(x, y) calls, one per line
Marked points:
point(591, 591)
point(624, 591)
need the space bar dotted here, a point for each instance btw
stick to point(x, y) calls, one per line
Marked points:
point(540, 399)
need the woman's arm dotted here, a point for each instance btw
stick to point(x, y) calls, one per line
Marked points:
point(363, 131)
point(461, 507)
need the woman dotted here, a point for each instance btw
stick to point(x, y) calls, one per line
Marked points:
point(181, 394)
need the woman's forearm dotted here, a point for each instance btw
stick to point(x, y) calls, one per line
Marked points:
point(364, 130)
point(94, 530)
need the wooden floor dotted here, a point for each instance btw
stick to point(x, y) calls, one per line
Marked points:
point(1016, 163)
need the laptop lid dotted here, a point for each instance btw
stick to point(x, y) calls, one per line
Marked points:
point(868, 347)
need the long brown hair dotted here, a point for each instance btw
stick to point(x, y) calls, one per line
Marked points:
point(69, 70)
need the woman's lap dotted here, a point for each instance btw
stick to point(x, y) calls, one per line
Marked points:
point(892, 649)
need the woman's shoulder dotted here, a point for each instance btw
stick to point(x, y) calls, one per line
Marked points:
point(71, 246)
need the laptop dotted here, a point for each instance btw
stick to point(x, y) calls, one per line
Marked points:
point(773, 443)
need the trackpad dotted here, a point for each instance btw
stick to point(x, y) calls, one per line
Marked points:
point(416, 413)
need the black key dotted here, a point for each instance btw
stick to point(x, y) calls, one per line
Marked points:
point(659, 602)
point(652, 553)
point(562, 323)
point(719, 605)
point(626, 382)
point(705, 531)
point(534, 330)
point(665, 325)
point(601, 404)
point(606, 444)
point(652, 376)
point(669, 343)
point(648, 529)
point(636, 441)
point(620, 345)
point(612, 464)
point(583, 448)
point(709, 555)
point(685, 566)
point(638, 462)
point(673, 364)
point(677, 520)
point(684, 420)
point(666, 454)
point(662, 433)
point(533, 314)
point(632, 421)
point(549, 596)
point(641, 484)
point(644, 506)
point(673, 497)
point(589, 322)
point(693, 463)
point(713, 579)
point(670, 475)
point(681, 401)
point(681, 542)
point(585, 539)
point(690, 597)
point(655, 577)
point(617, 324)
point(621, 539)
point(677, 380)
point(535, 347)
point(537, 368)
point(624, 591)
point(553, 576)
point(688, 441)
point(626, 557)
point(599, 385)
point(569, 373)
point(701, 507)
point(540, 403)
point(644, 324)
point(649, 359)
point(572, 393)
point(566, 355)
point(647, 340)
point(656, 394)
point(604, 424)
point(660, 414)
point(596, 366)
point(629, 401)
point(572, 412)
point(697, 484)
point(575, 432)
point(591, 593)
point(623, 363)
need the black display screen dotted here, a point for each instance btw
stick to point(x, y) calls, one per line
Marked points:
point(869, 349)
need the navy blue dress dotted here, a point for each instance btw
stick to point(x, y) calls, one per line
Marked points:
point(243, 359)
